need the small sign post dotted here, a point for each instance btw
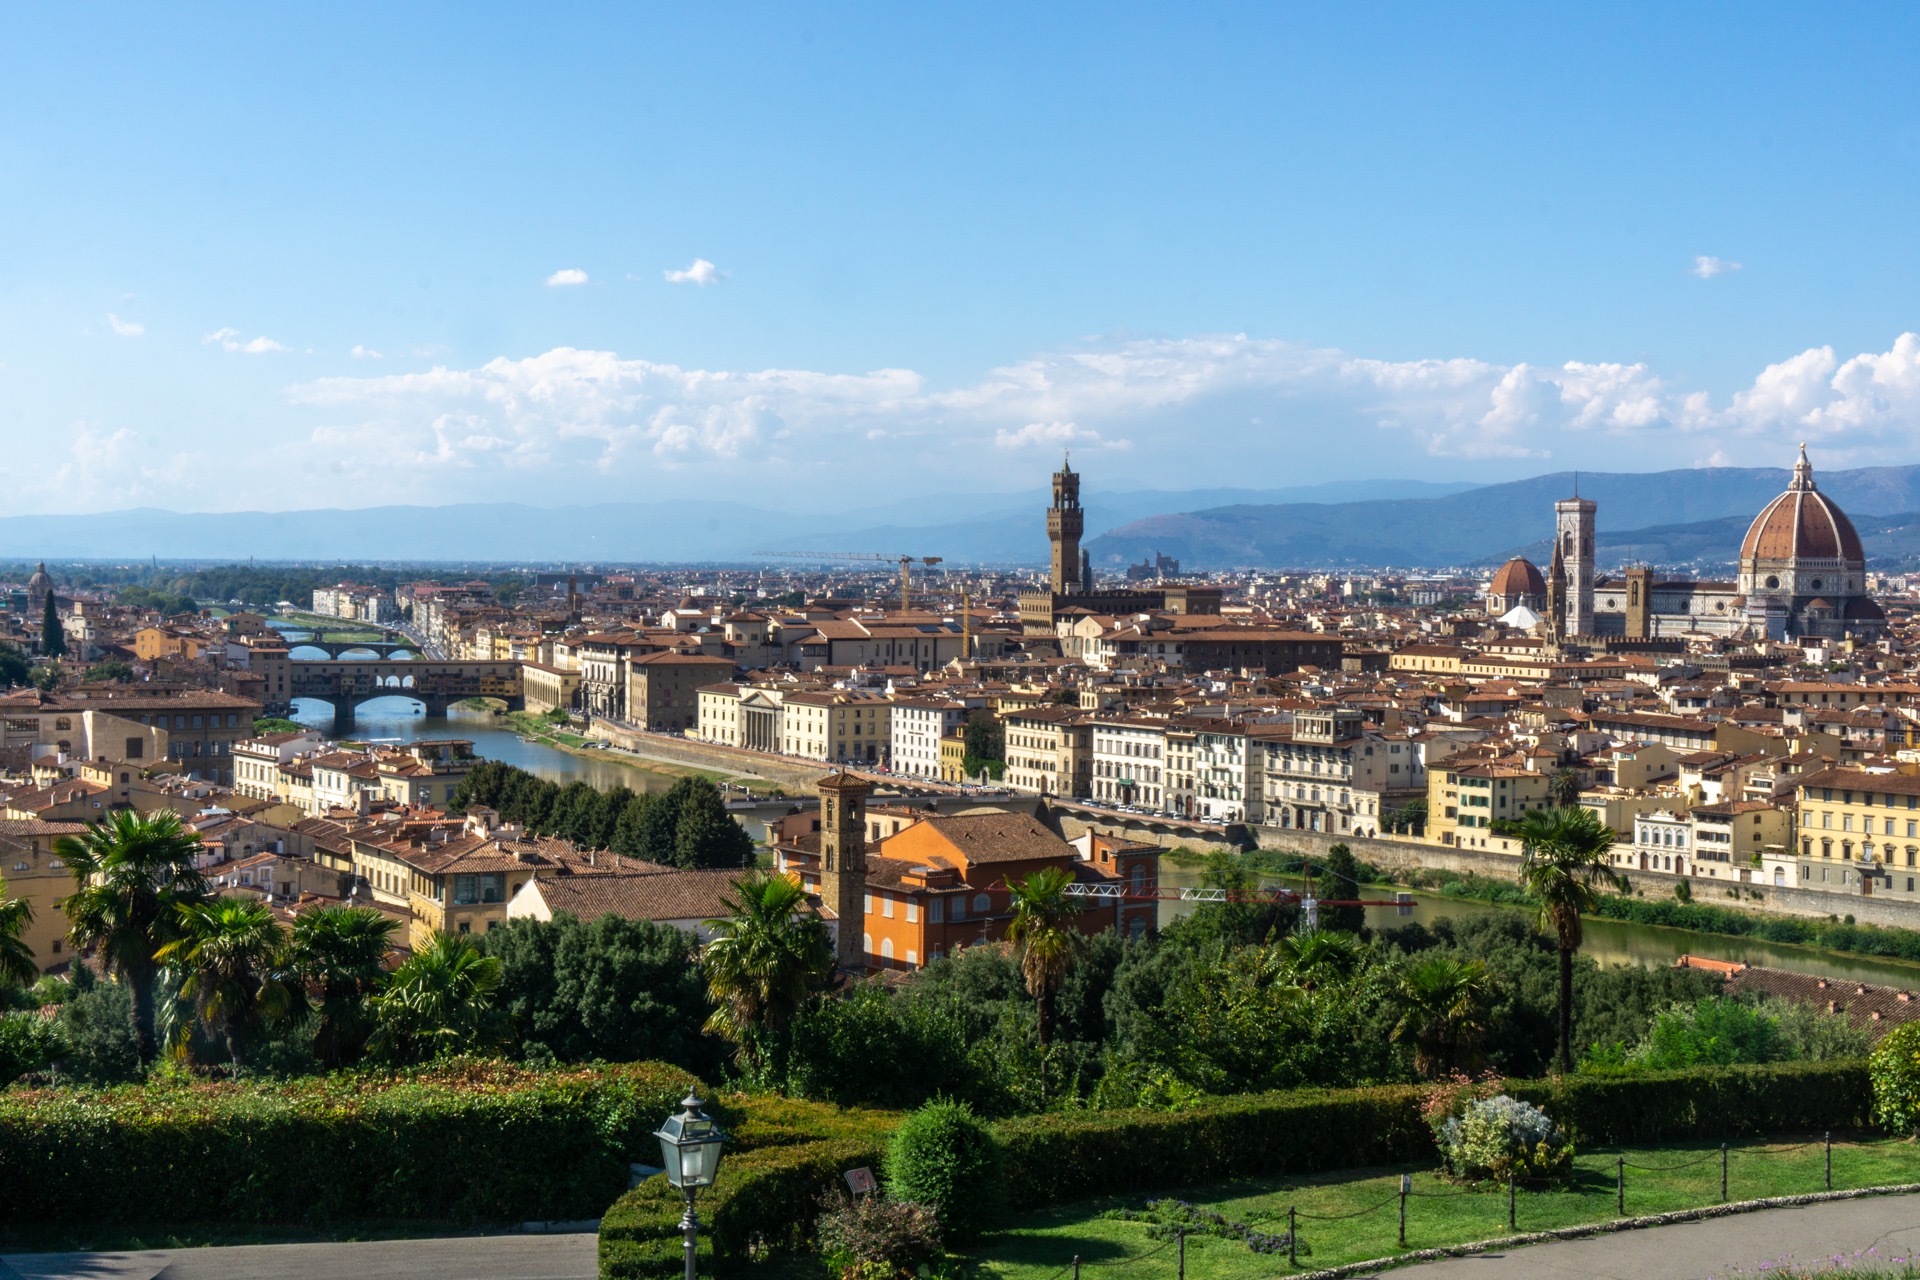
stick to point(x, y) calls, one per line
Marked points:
point(860, 1181)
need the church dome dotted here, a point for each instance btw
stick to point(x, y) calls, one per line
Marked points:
point(1802, 524)
point(1518, 577)
point(40, 577)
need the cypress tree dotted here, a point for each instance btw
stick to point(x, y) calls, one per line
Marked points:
point(53, 638)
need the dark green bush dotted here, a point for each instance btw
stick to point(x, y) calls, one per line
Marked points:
point(476, 1141)
point(942, 1156)
point(1709, 1103)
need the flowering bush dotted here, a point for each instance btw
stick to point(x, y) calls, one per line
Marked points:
point(1499, 1137)
point(877, 1239)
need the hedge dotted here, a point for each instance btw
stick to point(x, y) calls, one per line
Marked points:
point(469, 1141)
point(766, 1197)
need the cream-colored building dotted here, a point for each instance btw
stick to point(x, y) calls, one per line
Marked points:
point(1049, 751)
point(35, 875)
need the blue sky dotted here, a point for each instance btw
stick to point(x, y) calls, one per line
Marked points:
point(1259, 244)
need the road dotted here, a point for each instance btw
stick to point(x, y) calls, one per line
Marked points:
point(1738, 1244)
point(500, 1257)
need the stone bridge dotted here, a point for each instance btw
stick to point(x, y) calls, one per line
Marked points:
point(348, 682)
point(334, 648)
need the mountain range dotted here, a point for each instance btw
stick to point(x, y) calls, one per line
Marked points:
point(1677, 518)
point(1688, 517)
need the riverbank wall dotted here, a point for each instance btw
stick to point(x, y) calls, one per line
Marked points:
point(797, 776)
point(1764, 899)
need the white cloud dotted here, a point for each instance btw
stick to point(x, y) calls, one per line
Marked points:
point(230, 340)
point(125, 328)
point(1707, 267)
point(365, 353)
point(1176, 409)
point(1058, 435)
point(701, 272)
point(566, 276)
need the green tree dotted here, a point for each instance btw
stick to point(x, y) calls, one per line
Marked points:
point(15, 670)
point(1342, 881)
point(111, 670)
point(1043, 930)
point(131, 875)
point(986, 739)
point(942, 1156)
point(1441, 1007)
point(95, 1026)
point(53, 638)
point(706, 834)
point(1563, 788)
point(613, 989)
point(338, 954)
point(228, 953)
point(439, 1002)
point(1715, 1031)
point(764, 961)
point(1411, 817)
point(16, 957)
point(1563, 864)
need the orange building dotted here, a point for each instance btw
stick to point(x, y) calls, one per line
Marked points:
point(935, 883)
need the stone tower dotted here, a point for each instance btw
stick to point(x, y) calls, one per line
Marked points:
point(843, 863)
point(1573, 528)
point(1556, 601)
point(1639, 603)
point(1065, 522)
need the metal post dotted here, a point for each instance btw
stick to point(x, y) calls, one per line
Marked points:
point(1510, 1200)
point(1182, 1233)
point(1829, 1159)
point(1293, 1236)
point(1406, 1181)
point(1723, 1173)
point(1620, 1183)
point(690, 1228)
point(1076, 1267)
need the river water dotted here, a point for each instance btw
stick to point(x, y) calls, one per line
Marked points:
point(397, 719)
point(1613, 942)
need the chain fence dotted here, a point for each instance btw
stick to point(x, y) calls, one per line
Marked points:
point(1295, 1246)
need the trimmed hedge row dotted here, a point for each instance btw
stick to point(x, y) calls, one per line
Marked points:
point(472, 1141)
point(1706, 1102)
point(767, 1198)
point(1070, 1156)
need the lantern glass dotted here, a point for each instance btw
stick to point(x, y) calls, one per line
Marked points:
point(690, 1146)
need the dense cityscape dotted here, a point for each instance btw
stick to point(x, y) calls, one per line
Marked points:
point(728, 642)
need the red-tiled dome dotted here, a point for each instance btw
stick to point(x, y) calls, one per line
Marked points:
point(1518, 577)
point(1802, 524)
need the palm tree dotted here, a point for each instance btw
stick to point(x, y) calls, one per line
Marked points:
point(1563, 788)
point(1043, 916)
point(765, 959)
point(16, 957)
point(1315, 957)
point(1563, 863)
point(337, 953)
point(227, 955)
point(131, 876)
point(1442, 1006)
point(438, 1002)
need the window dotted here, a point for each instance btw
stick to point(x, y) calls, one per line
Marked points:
point(866, 904)
point(982, 904)
point(886, 908)
point(913, 913)
point(936, 910)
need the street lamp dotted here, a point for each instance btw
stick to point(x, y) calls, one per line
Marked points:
point(690, 1147)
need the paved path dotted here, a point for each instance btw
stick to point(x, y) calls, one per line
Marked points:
point(1715, 1248)
point(503, 1257)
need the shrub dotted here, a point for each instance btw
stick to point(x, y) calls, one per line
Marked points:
point(942, 1156)
point(472, 1141)
point(874, 1238)
point(1895, 1071)
point(1500, 1137)
point(27, 1043)
point(95, 1027)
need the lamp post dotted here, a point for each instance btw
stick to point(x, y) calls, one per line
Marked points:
point(690, 1148)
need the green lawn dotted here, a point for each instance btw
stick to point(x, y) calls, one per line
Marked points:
point(1438, 1214)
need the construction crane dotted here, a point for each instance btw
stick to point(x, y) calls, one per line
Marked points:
point(906, 564)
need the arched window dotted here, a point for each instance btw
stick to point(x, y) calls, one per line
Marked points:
point(982, 904)
point(866, 943)
point(886, 948)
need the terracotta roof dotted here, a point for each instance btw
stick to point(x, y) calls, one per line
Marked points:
point(656, 895)
point(998, 837)
point(1517, 577)
point(1802, 523)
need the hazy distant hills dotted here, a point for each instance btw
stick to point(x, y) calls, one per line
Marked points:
point(962, 527)
point(1665, 517)
point(1668, 517)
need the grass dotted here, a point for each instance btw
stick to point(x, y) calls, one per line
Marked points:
point(1438, 1214)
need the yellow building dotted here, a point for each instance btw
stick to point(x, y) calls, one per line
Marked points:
point(1465, 799)
point(1049, 751)
point(34, 875)
point(1859, 832)
point(953, 756)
